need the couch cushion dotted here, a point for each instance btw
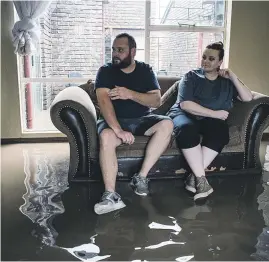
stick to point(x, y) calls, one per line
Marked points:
point(137, 149)
point(89, 88)
point(166, 82)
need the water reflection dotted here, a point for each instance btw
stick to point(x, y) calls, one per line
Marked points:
point(262, 246)
point(167, 226)
point(161, 238)
point(42, 203)
point(42, 200)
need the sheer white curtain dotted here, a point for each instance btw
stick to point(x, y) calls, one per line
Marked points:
point(26, 32)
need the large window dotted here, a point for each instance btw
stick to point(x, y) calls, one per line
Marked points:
point(77, 37)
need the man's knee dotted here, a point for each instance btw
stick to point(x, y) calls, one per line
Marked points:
point(165, 126)
point(108, 138)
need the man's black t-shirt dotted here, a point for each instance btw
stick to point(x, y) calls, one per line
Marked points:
point(141, 80)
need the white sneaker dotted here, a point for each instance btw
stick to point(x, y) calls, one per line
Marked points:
point(110, 201)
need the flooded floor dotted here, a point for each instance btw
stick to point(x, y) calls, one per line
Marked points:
point(45, 219)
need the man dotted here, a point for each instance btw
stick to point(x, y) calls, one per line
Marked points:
point(126, 90)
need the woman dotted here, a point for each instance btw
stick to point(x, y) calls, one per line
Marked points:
point(205, 97)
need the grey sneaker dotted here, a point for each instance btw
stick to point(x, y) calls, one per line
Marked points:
point(203, 189)
point(110, 201)
point(190, 183)
point(140, 185)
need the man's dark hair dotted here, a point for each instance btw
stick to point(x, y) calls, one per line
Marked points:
point(217, 46)
point(131, 40)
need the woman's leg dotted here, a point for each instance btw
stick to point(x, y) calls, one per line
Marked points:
point(188, 140)
point(215, 136)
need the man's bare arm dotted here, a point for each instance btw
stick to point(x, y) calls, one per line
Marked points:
point(107, 109)
point(150, 99)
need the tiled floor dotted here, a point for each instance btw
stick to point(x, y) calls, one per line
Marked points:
point(45, 219)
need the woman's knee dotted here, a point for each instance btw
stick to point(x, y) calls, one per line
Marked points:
point(187, 136)
point(216, 141)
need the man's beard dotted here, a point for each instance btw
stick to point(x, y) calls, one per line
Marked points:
point(123, 63)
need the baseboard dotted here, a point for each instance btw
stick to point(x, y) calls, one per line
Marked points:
point(6, 141)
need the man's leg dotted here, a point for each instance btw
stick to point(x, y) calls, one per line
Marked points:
point(110, 200)
point(108, 159)
point(160, 137)
point(160, 129)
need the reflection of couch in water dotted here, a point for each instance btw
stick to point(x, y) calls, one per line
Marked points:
point(262, 249)
point(42, 203)
point(42, 200)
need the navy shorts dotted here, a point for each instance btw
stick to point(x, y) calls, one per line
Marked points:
point(137, 126)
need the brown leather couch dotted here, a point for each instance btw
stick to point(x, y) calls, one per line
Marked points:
point(75, 110)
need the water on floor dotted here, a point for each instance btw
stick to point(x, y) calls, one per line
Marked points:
point(44, 218)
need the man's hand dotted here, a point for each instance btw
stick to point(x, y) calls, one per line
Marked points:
point(120, 92)
point(126, 137)
point(227, 73)
point(221, 114)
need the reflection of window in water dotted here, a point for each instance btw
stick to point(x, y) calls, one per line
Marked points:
point(42, 203)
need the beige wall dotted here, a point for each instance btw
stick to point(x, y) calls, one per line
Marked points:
point(249, 57)
point(249, 53)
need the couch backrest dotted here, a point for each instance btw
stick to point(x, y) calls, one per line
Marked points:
point(166, 82)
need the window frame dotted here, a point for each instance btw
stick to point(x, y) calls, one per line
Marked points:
point(188, 28)
point(225, 29)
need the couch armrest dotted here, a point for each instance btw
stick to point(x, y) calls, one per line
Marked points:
point(73, 113)
point(251, 118)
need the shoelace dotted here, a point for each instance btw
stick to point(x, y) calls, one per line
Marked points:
point(203, 181)
point(144, 180)
point(112, 196)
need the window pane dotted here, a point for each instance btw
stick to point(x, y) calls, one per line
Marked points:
point(175, 53)
point(35, 100)
point(137, 33)
point(76, 40)
point(190, 12)
point(77, 35)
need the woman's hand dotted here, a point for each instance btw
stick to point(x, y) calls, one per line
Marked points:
point(243, 92)
point(221, 114)
point(227, 73)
